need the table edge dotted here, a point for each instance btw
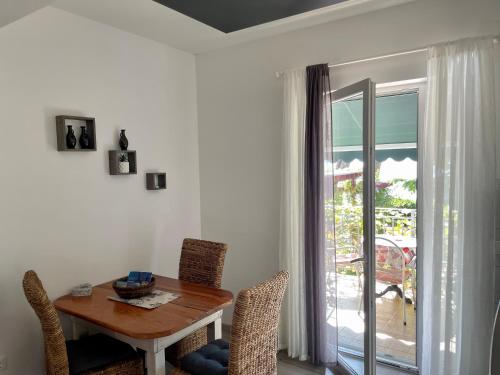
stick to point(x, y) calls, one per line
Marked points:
point(150, 335)
point(135, 335)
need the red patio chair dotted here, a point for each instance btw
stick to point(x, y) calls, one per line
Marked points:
point(394, 266)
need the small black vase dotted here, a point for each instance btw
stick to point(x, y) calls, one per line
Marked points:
point(84, 138)
point(123, 140)
point(70, 138)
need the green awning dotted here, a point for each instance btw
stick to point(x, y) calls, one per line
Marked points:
point(380, 155)
point(396, 119)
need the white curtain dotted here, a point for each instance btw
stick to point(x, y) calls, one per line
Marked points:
point(291, 252)
point(458, 156)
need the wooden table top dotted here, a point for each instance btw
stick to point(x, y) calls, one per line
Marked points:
point(195, 303)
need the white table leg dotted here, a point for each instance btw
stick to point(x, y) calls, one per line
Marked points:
point(155, 363)
point(215, 330)
point(76, 329)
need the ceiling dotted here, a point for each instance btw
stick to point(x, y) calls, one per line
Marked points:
point(230, 15)
point(155, 21)
point(11, 10)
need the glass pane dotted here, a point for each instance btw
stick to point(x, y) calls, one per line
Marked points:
point(395, 119)
point(347, 210)
point(396, 128)
point(395, 243)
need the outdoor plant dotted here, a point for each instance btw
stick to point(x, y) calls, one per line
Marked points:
point(344, 214)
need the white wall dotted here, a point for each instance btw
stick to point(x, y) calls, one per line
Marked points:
point(61, 213)
point(240, 115)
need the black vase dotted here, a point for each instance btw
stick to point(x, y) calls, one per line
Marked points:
point(84, 138)
point(123, 140)
point(70, 138)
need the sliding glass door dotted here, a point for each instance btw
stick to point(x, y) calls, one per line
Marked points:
point(354, 230)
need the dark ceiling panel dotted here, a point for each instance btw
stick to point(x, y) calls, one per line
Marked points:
point(233, 15)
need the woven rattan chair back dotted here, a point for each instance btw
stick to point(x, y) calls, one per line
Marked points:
point(202, 262)
point(55, 345)
point(254, 334)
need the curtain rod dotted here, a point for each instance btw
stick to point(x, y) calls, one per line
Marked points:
point(418, 50)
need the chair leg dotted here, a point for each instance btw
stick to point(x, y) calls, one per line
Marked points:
point(404, 304)
point(414, 293)
point(360, 300)
point(359, 276)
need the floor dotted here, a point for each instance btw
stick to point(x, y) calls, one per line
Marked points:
point(358, 366)
point(288, 366)
point(392, 335)
point(292, 367)
point(395, 341)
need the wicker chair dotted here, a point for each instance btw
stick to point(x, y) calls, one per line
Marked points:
point(254, 334)
point(202, 262)
point(59, 353)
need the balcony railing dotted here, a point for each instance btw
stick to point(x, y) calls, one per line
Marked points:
point(349, 225)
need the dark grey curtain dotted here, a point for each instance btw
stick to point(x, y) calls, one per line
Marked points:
point(317, 137)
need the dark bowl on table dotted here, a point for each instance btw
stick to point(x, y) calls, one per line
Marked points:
point(134, 291)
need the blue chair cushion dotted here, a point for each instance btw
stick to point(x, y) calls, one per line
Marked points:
point(211, 359)
point(96, 352)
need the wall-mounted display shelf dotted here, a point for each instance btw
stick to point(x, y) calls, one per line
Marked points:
point(114, 162)
point(76, 122)
point(156, 180)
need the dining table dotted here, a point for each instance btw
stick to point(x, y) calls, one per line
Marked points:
point(150, 330)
